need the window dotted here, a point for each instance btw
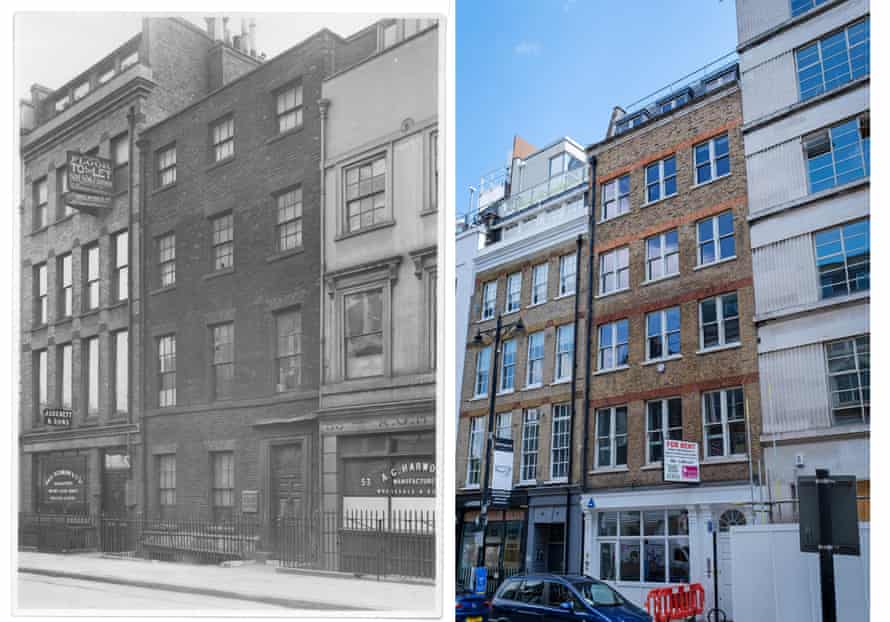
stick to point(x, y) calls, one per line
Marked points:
point(120, 278)
point(565, 350)
point(559, 444)
point(223, 135)
point(364, 334)
point(65, 375)
point(535, 367)
point(167, 259)
point(91, 367)
point(41, 306)
point(434, 167)
point(489, 297)
point(222, 246)
point(120, 380)
point(504, 426)
point(611, 437)
point(474, 451)
point(539, 284)
point(129, 61)
point(120, 160)
point(662, 255)
point(528, 465)
point(289, 107)
point(66, 286)
point(40, 370)
point(724, 420)
point(848, 379)
point(842, 258)
point(719, 320)
point(366, 194)
point(614, 270)
point(514, 289)
point(508, 366)
point(718, 81)
point(662, 333)
point(167, 371)
point(661, 179)
point(613, 345)
point(483, 361)
point(167, 484)
point(674, 102)
point(567, 274)
point(223, 485)
point(833, 61)
point(289, 219)
point(712, 159)
point(650, 546)
point(557, 164)
point(390, 34)
point(290, 350)
point(166, 166)
point(223, 360)
point(838, 155)
point(41, 201)
point(664, 419)
point(91, 280)
point(799, 7)
point(107, 75)
point(716, 238)
point(616, 197)
point(64, 210)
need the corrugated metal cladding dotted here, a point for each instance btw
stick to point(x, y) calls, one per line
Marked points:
point(785, 274)
point(769, 86)
point(776, 175)
point(757, 16)
point(794, 389)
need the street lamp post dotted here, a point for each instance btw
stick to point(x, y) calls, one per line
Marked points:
point(514, 327)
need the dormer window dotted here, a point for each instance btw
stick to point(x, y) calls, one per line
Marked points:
point(628, 123)
point(129, 61)
point(106, 76)
point(61, 104)
point(718, 81)
point(81, 91)
point(674, 101)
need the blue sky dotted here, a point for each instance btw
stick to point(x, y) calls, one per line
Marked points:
point(550, 68)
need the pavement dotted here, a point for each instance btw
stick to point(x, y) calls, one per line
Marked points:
point(259, 583)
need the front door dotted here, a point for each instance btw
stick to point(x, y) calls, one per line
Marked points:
point(288, 485)
point(115, 473)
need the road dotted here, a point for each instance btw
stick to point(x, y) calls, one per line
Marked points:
point(41, 592)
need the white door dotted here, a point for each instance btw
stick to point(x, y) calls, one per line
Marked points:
point(724, 559)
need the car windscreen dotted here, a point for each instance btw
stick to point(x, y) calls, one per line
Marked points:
point(598, 594)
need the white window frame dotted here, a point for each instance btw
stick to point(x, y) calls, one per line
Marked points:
point(617, 272)
point(559, 442)
point(716, 238)
point(285, 111)
point(514, 292)
point(481, 378)
point(614, 345)
point(664, 334)
point(663, 257)
point(612, 196)
point(665, 429)
point(371, 191)
point(475, 440)
point(568, 274)
point(167, 260)
point(166, 165)
point(289, 219)
point(667, 539)
point(508, 366)
point(565, 350)
point(41, 295)
point(535, 362)
point(613, 437)
point(712, 160)
point(504, 425)
point(528, 458)
point(222, 229)
point(660, 181)
point(720, 321)
point(539, 284)
point(489, 300)
point(724, 423)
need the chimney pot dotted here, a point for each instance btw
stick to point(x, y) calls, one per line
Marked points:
point(252, 37)
point(211, 27)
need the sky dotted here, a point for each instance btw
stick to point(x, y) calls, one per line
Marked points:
point(88, 37)
point(545, 69)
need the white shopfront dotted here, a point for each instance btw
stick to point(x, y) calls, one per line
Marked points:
point(638, 540)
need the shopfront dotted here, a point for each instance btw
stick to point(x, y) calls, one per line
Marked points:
point(504, 544)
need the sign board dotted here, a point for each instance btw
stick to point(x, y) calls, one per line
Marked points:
point(681, 462)
point(502, 471)
point(399, 478)
point(117, 461)
point(90, 174)
point(64, 486)
point(844, 536)
point(86, 201)
point(250, 501)
point(480, 579)
point(57, 417)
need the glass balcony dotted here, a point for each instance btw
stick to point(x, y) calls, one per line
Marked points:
point(543, 191)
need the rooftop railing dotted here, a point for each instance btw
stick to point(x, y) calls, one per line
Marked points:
point(543, 191)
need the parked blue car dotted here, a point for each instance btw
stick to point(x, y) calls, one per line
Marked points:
point(549, 597)
point(469, 606)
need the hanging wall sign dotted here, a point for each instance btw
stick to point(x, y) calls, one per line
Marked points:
point(90, 174)
point(502, 472)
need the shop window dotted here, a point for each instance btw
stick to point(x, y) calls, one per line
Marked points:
point(649, 546)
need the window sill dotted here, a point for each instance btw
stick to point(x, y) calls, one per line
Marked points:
point(477, 398)
point(282, 135)
point(514, 311)
point(116, 305)
point(471, 487)
point(661, 200)
point(734, 459)
point(562, 381)
point(607, 470)
point(664, 359)
point(652, 466)
point(89, 312)
point(503, 393)
point(285, 254)
point(160, 189)
point(36, 327)
point(605, 221)
point(59, 221)
point(566, 295)
point(482, 320)
point(376, 227)
point(728, 346)
point(223, 272)
point(429, 211)
point(40, 230)
point(611, 370)
point(715, 263)
point(531, 387)
point(558, 480)
point(710, 181)
point(527, 482)
point(161, 290)
point(219, 163)
point(612, 293)
point(62, 321)
point(659, 279)
point(532, 305)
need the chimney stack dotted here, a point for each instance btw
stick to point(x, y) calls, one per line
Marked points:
point(211, 27)
point(252, 37)
point(227, 36)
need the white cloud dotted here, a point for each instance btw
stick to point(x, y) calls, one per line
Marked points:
point(527, 48)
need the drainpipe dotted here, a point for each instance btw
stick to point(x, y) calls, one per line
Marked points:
point(565, 539)
point(323, 113)
point(588, 341)
point(132, 260)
